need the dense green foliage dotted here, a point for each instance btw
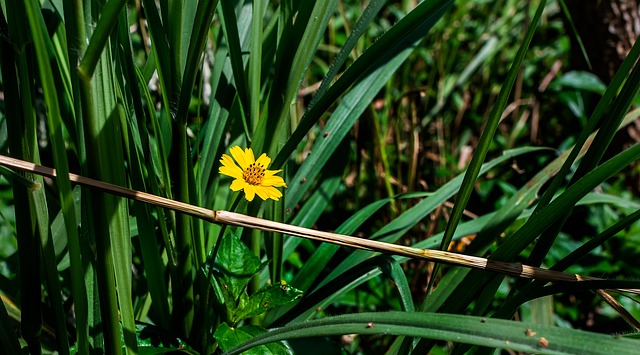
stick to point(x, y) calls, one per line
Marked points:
point(452, 125)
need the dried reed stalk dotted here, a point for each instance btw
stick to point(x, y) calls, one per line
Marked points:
point(237, 219)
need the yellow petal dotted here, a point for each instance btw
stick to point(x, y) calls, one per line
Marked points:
point(249, 192)
point(271, 172)
point(229, 168)
point(263, 161)
point(234, 171)
point(238, 184)
point(273, 181)
point(248, 155)
point(262, 192)
point(226, 160)
point(273, 193)
point(240, 157)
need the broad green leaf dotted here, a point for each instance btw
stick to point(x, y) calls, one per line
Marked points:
point(266, 298)
point(228, 338)
point(154, 340)
point(237, 265)
point(579, 80)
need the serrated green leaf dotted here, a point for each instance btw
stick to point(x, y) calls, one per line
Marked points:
point(237, 264)
point(266, 298)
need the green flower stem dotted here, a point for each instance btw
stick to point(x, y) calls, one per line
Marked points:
point(255, 284)
point(275, 244)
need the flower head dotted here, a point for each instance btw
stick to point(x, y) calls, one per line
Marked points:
point(252, 175)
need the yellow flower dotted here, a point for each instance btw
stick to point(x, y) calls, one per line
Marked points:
point(252, 176)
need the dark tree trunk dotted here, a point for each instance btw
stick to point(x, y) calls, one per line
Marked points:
point(608, 29)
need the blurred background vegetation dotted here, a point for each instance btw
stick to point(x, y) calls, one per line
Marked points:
point(150, 94)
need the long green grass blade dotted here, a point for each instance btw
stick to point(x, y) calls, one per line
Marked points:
point(533, 288)
point(537, 223)
point(160, 47)
point(322, 296)
point(44, 58)
point(172, 19)
point(368, 15)
point(396, 228)
point(182, 282)
point(255, 62)
point(104, 27)
point(293, 57)
point(482, 148)
point(399, 38)
point(451, 327)
point(109, 215)
point(232, 36)
point(626, 88)
point(393, 270)
point(8, 339)
point(341, 122)
point(20, 145)
point(315, 265)
point(199, 31)
point(140, 174)
point(569, 198)
point(512, 208)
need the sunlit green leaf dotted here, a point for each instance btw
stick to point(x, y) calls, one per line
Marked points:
point(266, 298)
point(228, 338)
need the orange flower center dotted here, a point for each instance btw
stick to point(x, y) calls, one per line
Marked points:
point(254, 174)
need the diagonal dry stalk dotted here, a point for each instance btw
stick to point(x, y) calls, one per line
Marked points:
point(237, 219)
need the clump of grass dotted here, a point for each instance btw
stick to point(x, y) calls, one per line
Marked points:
point(390, 121)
